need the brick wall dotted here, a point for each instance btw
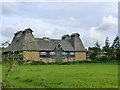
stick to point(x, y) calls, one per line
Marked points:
point(35, 55)
point(31, 55)
point(80, 56)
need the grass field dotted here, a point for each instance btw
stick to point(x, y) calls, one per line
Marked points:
point(0, 73)
point(95, 75)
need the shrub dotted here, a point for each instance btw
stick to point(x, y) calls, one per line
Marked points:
point(69, 62)
point(50, 63)
point(74, 62)
point(28, 80)
point(17, 77)
point(38, 63)
point(86, 61)
point(20, 62)
point(6, 60)
point(27, 63)
point(59, 63)
point(102, 59)
point(80, 61)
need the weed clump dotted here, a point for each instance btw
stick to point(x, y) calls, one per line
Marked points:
point(28, 80)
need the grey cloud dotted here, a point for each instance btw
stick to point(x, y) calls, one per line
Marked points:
point(8, 32)
point(107, 26)
point(108, 23)
point(84, 11)
point(42, 28)
point(9, 7)
point(31, 17)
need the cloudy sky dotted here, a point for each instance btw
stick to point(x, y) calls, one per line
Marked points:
point(94, 21)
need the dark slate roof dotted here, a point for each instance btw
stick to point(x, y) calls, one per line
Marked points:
point(47, 45)
point(79, 45)
point(66, 46)
point(28, 42)
point(16, 45)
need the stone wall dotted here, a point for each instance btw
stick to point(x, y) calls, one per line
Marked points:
point(69, 59)
point(35, 55)
point(47, 60)
point(53, 59)
point(80, 56)
point(31, 55)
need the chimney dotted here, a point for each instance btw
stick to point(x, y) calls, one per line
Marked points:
point(75, 35)
point(27, 34)
point(65, 37)
point(28, 30)
point(73, 38)
point(76, 42)
point(18, 34)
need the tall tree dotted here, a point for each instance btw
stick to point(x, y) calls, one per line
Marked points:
point(116, 47)
point(95, 51)
point(107, 51)
point(116, 43)
point(106, 48)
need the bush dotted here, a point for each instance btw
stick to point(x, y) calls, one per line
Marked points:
point(38, 63)
point(27, 63)
point(28, 80)
point(59, 63)
point(101, 60)
point(86, 61)
point(66, 63)
point(81, 61)
point(20, 62)
point(74, 62)
point(50, 63)
point(6, 60)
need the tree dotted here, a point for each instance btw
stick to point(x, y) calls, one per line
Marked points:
point(95, 51)
point(107, 52)
point(116, 43)
point(116, 47)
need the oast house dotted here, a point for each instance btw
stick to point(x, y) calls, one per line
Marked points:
point(68, 48)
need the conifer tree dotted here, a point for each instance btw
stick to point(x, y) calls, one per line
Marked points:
point(95, 51)
point(116, 47)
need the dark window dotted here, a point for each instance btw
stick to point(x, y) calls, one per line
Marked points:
point(43, 53)
point(52, 53)
point(64, 53)
point(71, 53)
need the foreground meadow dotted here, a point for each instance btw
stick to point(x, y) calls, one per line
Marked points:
point(85, 75)
point(0, 73)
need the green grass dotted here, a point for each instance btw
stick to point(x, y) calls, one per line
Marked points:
point(0, 73)
point(83, 75)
